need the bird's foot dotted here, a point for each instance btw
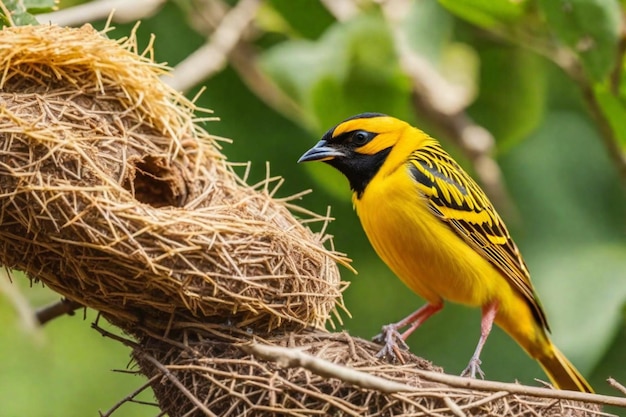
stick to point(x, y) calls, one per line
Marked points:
point(392, 343)
point(473, 368)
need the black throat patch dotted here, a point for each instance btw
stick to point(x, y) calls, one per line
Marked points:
point(360, 168)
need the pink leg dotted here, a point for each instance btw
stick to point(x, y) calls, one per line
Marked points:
point(489, 314)
point(391, 336)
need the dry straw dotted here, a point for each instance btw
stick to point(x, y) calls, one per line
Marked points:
point(214, 367)
point(113, 196)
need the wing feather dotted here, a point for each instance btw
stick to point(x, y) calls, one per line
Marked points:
point(456, 199)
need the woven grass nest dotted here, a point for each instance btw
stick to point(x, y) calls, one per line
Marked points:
point(113, 195)
point(217, 367)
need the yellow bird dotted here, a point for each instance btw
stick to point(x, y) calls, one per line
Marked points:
point(438, 232)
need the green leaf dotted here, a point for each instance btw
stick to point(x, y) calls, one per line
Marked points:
point(428, 28)
point(614, 111)
point(19, 10)
point(487, 13)
point(590, 28)
point(351, 69)
point(40, 4)
point(297, 66)
point(511, 101)
point(310, 21)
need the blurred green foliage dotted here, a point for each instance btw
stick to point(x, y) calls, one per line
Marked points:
point(20, 11)
point(570, 205)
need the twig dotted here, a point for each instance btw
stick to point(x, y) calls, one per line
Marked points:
point(613, 382)
point(130, 397)
point(243, 58)
point(212, 57)
point(453, 407)
point(166, 372)
point(123, 11)
point(470, 383)
point(105, 333)
point(57, 309)
point(292, 358)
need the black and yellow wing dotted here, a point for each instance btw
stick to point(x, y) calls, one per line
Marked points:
point(456, 199)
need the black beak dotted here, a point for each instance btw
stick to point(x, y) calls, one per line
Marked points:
point(320, 152)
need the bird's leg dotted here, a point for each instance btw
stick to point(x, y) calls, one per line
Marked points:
point(391, 336)
point(489, 314)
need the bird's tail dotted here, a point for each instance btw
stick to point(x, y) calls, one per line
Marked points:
point(562, 373)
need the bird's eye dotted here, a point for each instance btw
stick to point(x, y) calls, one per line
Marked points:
point(361, 137)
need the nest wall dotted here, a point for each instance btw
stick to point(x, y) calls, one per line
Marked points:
point(111, 195)
point(214, 366)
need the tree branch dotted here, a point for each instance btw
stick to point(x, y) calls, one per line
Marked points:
point(213, 55)
point(59, 308)
point(291, 358)
point(122, 11)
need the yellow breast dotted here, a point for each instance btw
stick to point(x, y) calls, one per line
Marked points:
point(428, 256)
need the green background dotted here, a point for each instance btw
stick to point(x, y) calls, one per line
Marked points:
point(566, 207)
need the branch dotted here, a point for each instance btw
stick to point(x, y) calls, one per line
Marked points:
point(59, 308)
point(291, 358)
point(470, 383)
point(212, 57)
point(613, 382)
point(121, 10)
point(243, 59)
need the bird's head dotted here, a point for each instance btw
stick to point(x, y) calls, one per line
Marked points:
point(358, 146)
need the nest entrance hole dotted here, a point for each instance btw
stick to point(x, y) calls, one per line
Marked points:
point(156, 181)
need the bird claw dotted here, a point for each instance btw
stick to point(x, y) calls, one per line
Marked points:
point(473, 368)
point(392, 343)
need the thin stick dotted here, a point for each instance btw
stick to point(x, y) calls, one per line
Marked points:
point(130, 397)
point(57, 309)
point(126, 342)
point(212, 56)
point(613, 382)
point(470, 383)
point(166, 372)
point(294, 358)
